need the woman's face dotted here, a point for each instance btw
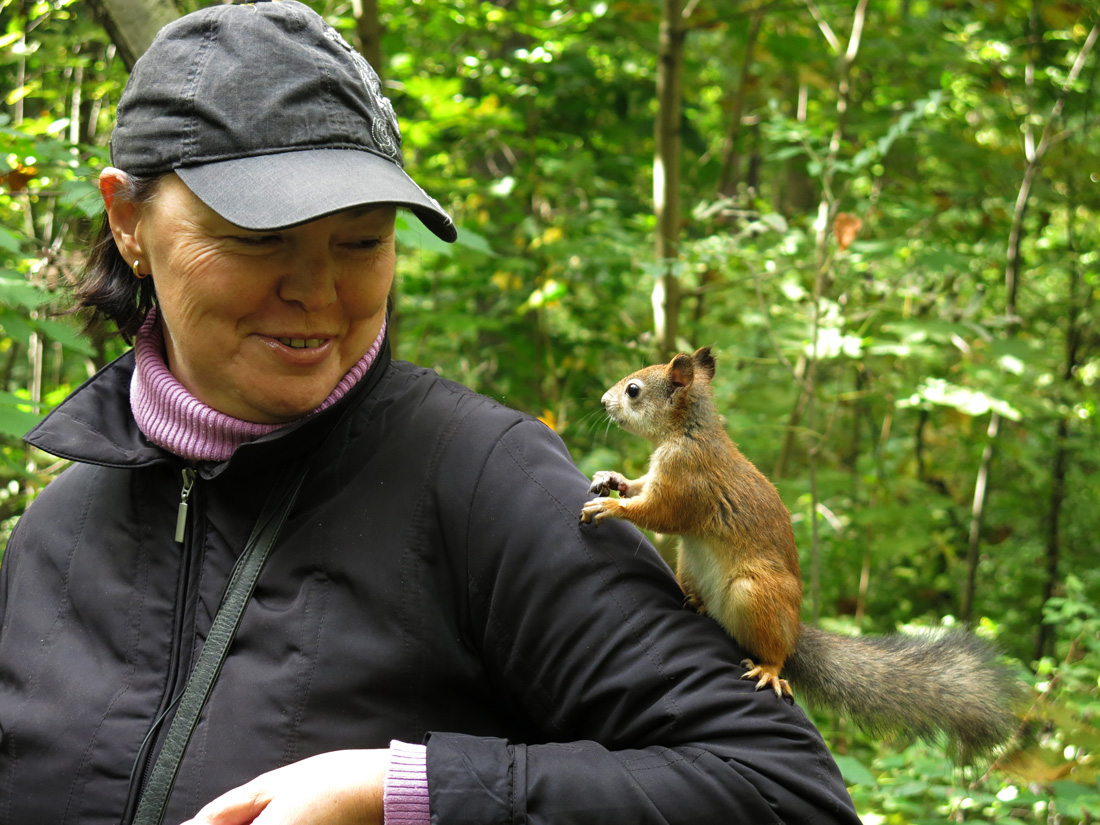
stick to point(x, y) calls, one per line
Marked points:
point(263, 325)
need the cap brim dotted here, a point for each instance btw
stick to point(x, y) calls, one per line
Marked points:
point(282, 190)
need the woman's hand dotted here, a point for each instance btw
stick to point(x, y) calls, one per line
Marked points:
point(338, 788)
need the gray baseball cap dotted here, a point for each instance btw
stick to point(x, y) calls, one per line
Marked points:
point(269, 117)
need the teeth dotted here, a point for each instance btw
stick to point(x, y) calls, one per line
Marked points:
point(301, 343)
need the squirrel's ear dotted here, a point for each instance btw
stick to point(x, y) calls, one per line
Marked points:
point(704, 362)
point(681, 371)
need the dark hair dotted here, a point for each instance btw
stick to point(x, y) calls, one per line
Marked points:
point(108, 286)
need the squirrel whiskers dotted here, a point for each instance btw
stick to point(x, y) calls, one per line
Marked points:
point(738, 564)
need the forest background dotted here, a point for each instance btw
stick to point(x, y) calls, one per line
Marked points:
point(885, 218)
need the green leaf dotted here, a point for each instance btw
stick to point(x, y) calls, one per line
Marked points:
point(66, 335)
point(15, 325)
point(10, 241)
point(15, 419)
point(413, 235)
point(786, 153)
point(83, 196)
point(965, 400)
point(919, 330)
point(16, 292)
point(853, 771)
point(1073, 791)
point(472, 240)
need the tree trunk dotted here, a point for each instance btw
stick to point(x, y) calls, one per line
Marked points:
point(823, 278)
point(730, 175)
point(1080, 306)
point(368, 28)
point(1034, 154)
point(1044, 639)
point(666, 175)
point(368, 31)
point(977, 520)
point(132, 24)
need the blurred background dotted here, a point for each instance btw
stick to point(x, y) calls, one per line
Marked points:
point(883, 217)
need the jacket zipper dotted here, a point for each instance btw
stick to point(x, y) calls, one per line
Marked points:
point(185, 494)
point(177, 675)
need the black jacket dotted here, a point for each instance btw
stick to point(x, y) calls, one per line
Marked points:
point(431, 583)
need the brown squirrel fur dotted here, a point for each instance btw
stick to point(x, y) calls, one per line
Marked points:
point(738, 563)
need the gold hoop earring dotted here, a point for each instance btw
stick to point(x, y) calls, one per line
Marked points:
point(137, 274)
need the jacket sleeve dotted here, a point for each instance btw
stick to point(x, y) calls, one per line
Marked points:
point(635, 706)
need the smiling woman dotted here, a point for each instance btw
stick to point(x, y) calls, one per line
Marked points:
point(258, 325)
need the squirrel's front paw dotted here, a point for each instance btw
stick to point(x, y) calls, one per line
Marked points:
point(605, 481)
point(596, 510)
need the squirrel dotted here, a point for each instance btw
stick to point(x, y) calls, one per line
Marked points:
point(738, 563)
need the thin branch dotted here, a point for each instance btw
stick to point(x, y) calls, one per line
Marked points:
point(1069, 132)
point(1012, 268)
point(1074, 73)
point(1014, 235)
point(823, 24)
point(857, 32)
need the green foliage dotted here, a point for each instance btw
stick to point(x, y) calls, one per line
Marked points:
point(860, 372)
point(1052, 777)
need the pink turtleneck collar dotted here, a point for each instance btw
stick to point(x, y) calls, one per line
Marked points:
point(173, 419)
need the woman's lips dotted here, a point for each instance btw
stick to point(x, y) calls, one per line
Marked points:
point(301, 343)
point(300, 350)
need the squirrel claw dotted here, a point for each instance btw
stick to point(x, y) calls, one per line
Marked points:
point(606, 481)
point(769, 676)
point(594, 511)
point(694, 601)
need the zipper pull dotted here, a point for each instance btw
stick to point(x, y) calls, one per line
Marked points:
point(185, 493)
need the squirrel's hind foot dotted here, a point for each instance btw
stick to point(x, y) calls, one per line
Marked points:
point(693, 601)
point(768, 677)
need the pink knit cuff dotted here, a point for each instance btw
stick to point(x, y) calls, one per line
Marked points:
point(405, 798)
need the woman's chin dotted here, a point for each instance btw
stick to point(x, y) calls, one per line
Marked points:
point(280, 407)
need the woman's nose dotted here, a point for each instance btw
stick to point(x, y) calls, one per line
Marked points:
point(309, 280)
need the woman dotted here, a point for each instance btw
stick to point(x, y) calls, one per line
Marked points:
point(433, 633)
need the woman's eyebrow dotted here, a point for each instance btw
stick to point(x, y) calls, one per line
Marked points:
point(365, 209)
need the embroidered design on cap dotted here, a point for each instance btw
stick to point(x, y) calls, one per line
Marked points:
point(384, 128)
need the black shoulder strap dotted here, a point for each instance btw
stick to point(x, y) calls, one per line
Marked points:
point(238, 592)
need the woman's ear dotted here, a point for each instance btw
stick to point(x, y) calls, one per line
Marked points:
point(122, 214)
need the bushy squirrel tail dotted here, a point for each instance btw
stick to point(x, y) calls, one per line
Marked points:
point(925, 684)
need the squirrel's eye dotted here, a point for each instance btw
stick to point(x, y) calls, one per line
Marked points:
point(632, 390)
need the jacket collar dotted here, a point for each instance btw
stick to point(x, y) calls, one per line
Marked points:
point(94, 425)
